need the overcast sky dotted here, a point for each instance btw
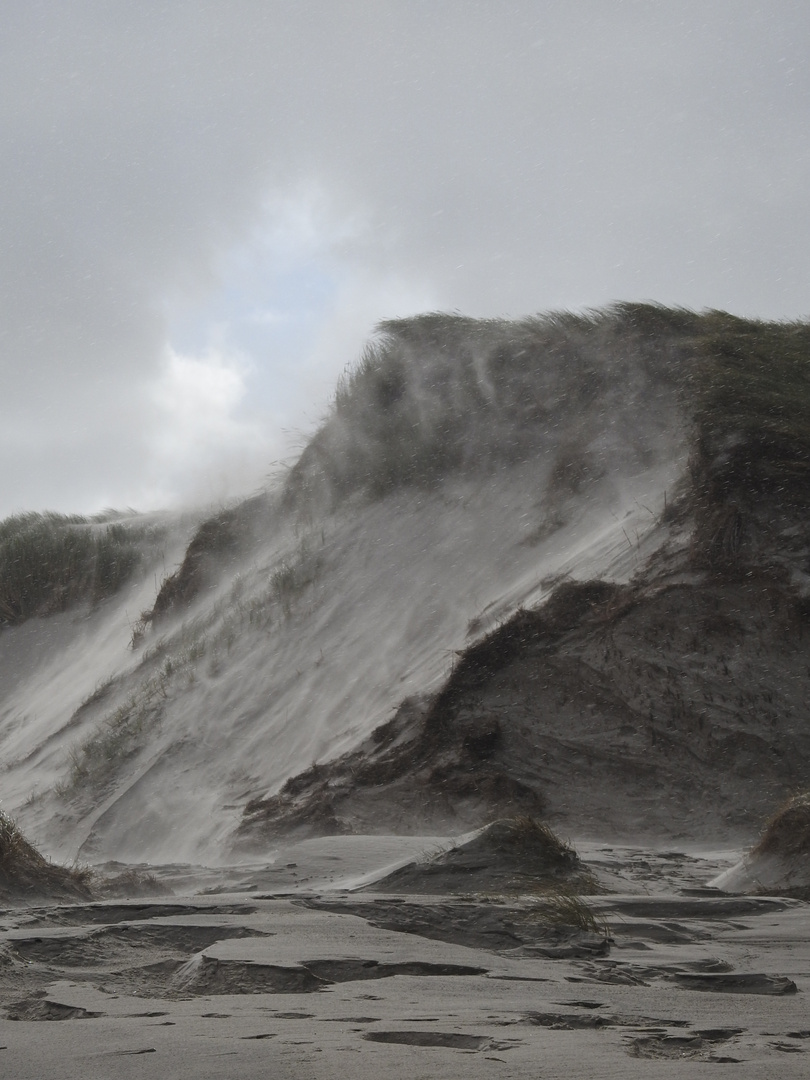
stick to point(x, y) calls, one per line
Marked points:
point(205, 206)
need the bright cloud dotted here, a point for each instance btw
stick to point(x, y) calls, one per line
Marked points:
point(205, 441)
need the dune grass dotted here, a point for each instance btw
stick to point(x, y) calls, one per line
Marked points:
point(754, 377)
point(26, 873)
point(532, 837)
point(51, 562)
point(787, 832)
point(438, 393)
point(566, 910)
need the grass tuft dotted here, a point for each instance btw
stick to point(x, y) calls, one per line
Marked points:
point(25, 873)
point(787, 833)
point(567, 910)
point(537, 840)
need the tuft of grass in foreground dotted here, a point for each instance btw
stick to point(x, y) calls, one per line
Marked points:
point(129, 883)
point(559, 908)
point(549, 867)
point(25, 873)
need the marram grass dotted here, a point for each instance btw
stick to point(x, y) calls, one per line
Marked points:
point(51, 562)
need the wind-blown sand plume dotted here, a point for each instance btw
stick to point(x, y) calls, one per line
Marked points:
point(465, 468)
point(566, 554)
point(779, 863)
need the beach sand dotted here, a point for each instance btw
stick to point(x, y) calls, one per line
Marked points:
point(307, 967)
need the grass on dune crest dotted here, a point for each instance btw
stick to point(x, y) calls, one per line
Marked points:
point(752, 404)
point(437, 393)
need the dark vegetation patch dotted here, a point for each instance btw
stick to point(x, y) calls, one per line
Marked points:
point(750, 466)
point(567, 606)
point(52, 562)
point(787, 833)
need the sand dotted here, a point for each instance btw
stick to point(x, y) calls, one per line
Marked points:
point(307, 968)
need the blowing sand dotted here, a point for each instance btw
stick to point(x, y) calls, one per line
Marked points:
point(309, 968)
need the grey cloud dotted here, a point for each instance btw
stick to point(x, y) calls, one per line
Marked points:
point(509, 156)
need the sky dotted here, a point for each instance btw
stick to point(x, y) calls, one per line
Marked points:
point(206, 207)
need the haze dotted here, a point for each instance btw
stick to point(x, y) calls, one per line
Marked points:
point(205, 208)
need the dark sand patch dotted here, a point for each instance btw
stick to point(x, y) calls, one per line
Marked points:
point(479, 924)
point(450, 1039)
point(747, 983)
point(208, 975)
point(35, 1008)
point(113, 944)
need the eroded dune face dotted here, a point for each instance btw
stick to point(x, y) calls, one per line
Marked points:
point(467, 468)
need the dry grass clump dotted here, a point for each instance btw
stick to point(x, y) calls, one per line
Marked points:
point(567, 910)
point(15, 851)
point(788, 831)
point(536, 841)
point(544, 865)
point(129, 884)
point(25, 873)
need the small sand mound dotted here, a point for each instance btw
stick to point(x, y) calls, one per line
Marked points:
point(25, 874)
point(512, 854)
point(780, 861)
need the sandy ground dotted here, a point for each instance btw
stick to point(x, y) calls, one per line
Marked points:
point(294, 971)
